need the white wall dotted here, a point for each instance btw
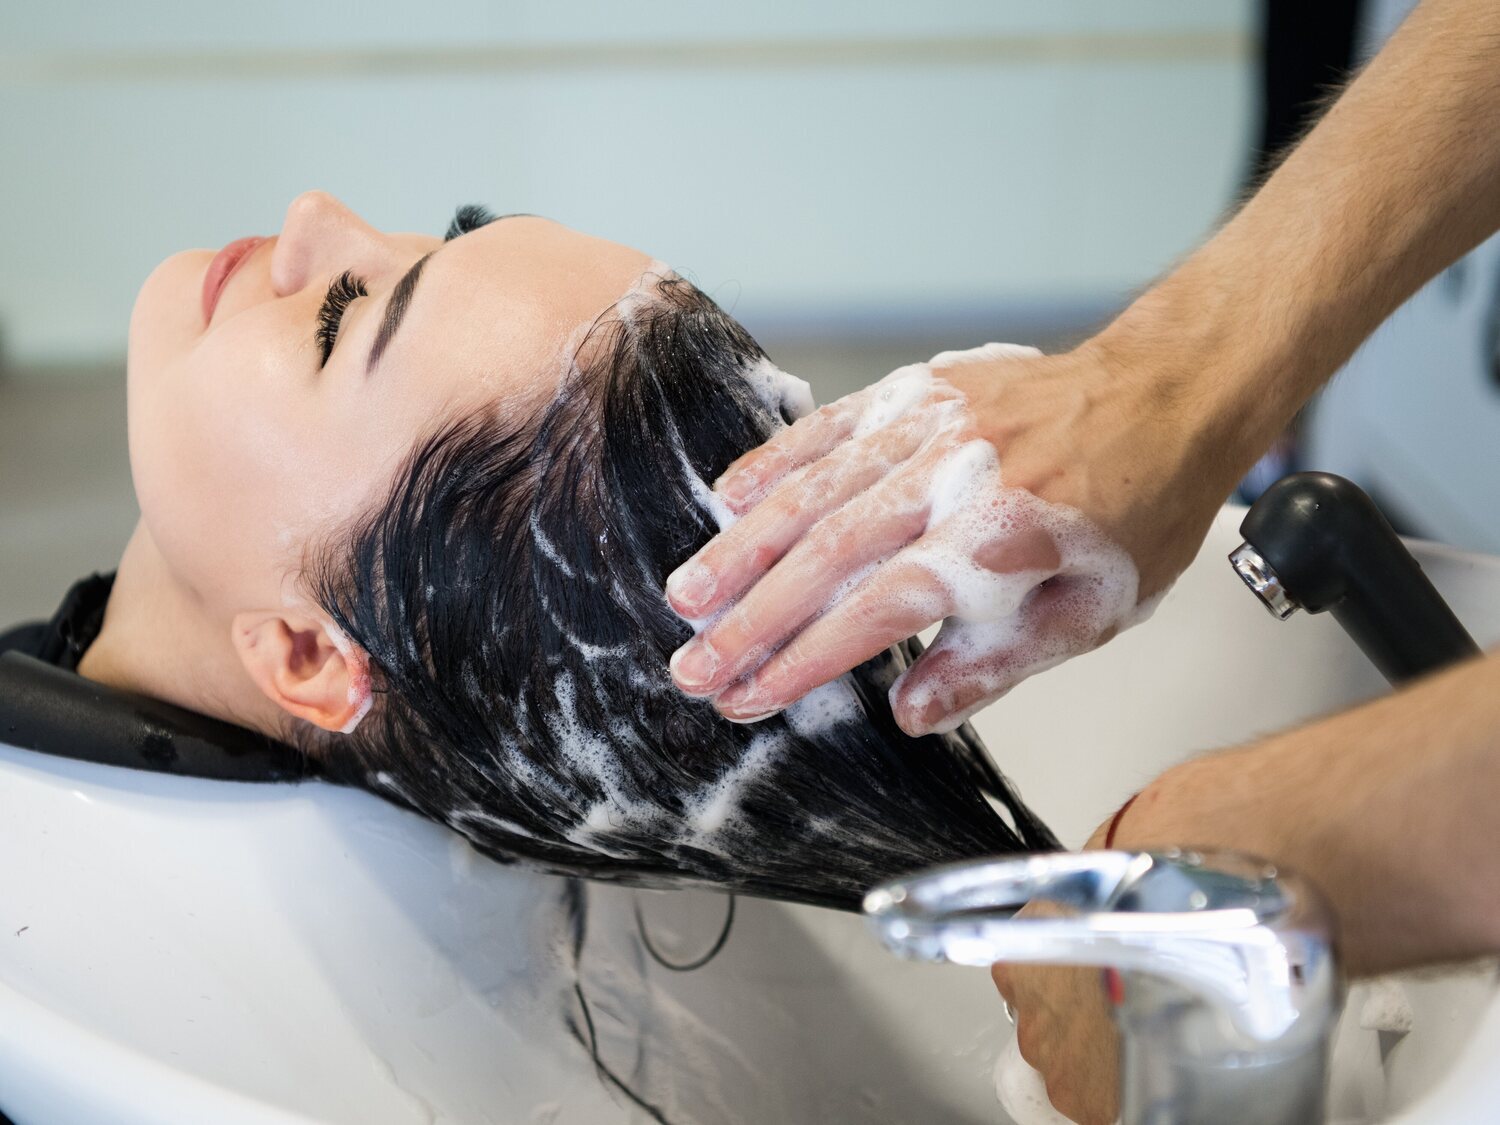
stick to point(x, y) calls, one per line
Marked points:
point(826, 167)
point(1414, 416)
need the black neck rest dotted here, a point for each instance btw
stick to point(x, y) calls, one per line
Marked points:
point(54, 711)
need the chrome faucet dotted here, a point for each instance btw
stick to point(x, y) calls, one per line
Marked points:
point(1231, 986)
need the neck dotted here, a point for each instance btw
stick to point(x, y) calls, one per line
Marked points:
point(159, 639)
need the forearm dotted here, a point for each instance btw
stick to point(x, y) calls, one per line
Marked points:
point(1400, 178)
point(1389, 808)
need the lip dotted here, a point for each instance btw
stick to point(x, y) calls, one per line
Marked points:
point(222, 268)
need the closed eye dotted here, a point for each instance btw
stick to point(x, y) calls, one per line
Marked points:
point(345, 288)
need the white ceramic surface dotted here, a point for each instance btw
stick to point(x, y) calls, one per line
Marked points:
point(178, 951)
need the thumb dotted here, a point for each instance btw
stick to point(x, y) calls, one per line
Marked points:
point(973, 663)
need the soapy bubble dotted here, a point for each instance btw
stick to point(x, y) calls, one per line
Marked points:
point(1021, 583)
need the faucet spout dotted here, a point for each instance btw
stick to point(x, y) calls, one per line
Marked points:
point(1228, 963)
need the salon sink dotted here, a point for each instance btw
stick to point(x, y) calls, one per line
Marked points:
point(174, 950)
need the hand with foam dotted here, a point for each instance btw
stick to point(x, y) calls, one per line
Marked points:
point(1015, 497)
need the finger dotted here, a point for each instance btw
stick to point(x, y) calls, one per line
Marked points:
point(735, 560)
point(904, 595)
point(972, 664)
point(832, 557)
point(899, 600)
point(904, 392)
point(1019, 551)
point(805, 440)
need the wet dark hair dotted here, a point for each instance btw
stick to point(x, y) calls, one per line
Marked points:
point(508, 594)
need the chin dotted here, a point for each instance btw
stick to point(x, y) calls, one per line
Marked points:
point(167, 316)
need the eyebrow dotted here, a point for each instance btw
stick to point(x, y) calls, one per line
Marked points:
point(400, 299)
point(395, 310)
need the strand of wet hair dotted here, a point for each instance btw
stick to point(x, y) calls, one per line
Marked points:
point(689, 966)
point(608, 1076)
point(576, 906)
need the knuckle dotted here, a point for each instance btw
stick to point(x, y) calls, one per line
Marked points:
point(866, 614)
point(773, 458)
point(784, 498)
point(791, 673)
point(824, 474)
point(830, 538)
point(762, 557)
point(736, 631)
point(817, 425)
point(1000, 973)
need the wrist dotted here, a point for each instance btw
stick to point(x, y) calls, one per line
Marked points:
point(1111, 827)
point(1163, 814)
point(1198, 355)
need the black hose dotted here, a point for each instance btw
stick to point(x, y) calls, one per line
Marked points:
point(1332, 549)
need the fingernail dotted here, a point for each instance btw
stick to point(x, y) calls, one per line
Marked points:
point(693, 665)
point(934, 713)
point(691, 584)
point(743, 703)
point(737, 487)
point(754, 717)
point(918, 722)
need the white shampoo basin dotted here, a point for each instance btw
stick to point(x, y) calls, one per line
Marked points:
point(184, 951)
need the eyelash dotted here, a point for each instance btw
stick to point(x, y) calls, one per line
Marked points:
point(344, 289)
point(471, 216)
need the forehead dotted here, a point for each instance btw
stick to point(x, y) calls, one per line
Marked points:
point(499, 307)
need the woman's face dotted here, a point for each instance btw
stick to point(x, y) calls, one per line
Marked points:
point(245, 444)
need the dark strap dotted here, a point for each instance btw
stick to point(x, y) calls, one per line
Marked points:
point(63, 640)
point(59, 712)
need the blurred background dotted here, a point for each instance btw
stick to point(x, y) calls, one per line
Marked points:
point(861, 184)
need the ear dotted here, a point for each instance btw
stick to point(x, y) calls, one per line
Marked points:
point(304, 665)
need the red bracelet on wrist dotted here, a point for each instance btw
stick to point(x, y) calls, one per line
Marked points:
point(1114, 821)
point(1114, 983)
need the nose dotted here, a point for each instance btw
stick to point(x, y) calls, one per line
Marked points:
point(320, 237)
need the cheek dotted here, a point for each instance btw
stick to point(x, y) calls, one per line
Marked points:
point(224, 457)
point(240, 452)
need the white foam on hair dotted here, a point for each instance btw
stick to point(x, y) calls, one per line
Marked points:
point(642, 291)
point(589, 651)
point(548, 548)
point(823, 708)
point(712, 810)
point(703, 494)
point(595, 750)
point(381, 779)
point(462, 819)
point(709, 810)
point(776, 391)
point(779, 392)
point(587, 750)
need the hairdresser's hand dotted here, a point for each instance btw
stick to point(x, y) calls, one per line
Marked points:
point(1065, 1032)
point(842, 551)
